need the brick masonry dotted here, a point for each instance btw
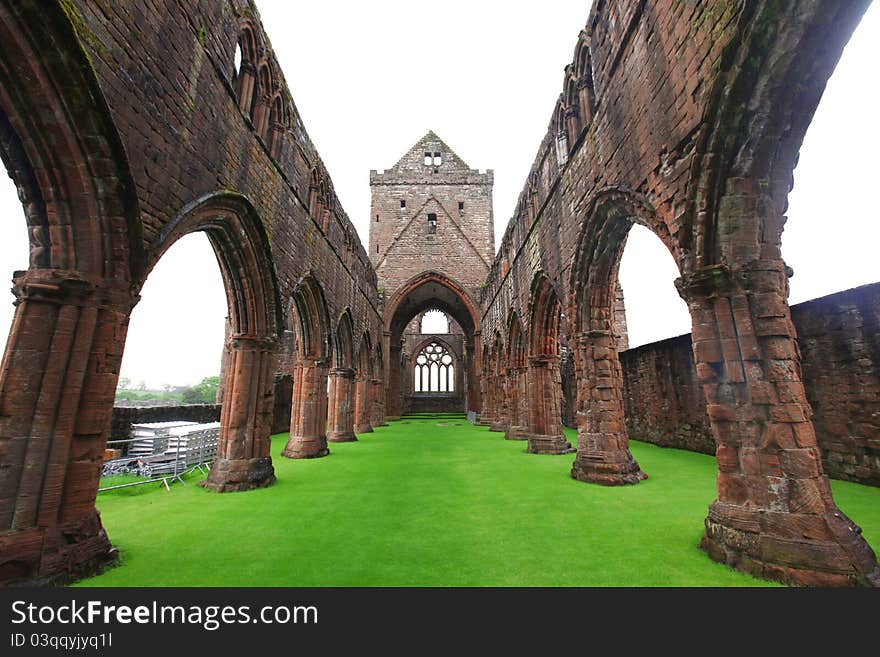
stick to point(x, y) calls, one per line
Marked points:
point(839, 339)
point(686, 117)
point(431, 214)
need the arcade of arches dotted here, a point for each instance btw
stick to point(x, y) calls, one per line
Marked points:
point(325, 337)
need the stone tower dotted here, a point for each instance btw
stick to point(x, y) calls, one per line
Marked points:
point(432, 243)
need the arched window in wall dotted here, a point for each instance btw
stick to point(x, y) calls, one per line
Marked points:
point(434, 370)
point(244, 68)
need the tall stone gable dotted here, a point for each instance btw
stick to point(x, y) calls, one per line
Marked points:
point(431, 212)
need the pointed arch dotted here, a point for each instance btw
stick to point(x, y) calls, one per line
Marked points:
point(278, 124)
point(309, 317)
point(545, 310)
point(241, 244)
point(343, 342)
point(516, 343)
point(593, 280)
point(246, 75)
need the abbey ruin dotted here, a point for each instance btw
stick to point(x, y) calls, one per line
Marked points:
point(126, 126)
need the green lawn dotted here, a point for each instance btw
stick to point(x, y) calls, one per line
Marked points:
point(433, 502)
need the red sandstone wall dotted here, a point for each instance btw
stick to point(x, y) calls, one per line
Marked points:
point(166, 71)
point(839, 338)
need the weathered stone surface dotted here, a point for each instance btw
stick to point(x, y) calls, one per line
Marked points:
point(839, 339)
point(671, 115)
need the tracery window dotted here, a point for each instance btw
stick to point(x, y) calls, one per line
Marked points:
point(434, 370)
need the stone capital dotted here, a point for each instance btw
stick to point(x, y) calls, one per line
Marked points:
point(72, 288)
point(717, 281)
point(243, 341)
point(342, 372)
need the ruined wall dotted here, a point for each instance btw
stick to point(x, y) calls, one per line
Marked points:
point(167, 72)
point(839, 339)
point(125, 416)
point(633, 60)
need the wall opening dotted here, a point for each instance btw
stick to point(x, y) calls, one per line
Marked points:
point(14, 249)
point(177, 330)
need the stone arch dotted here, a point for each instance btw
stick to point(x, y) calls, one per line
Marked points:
point(310, 318)
point(278, 124)
point(246, 77)
point(603, 443)
point(308, 414)
point(516, 362)
point(736, 286)
point(341, 396)
point(545, 434)
point(377, 383)
point(241, 245)
point(343, 342)
point(583, 74)
point(563, 141)
point(260, 105)
point(430, 290)
point(573, 117)
point(363, 389)
point(61, 364)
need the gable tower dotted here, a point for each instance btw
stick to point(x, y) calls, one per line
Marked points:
point(431, 211)
point(432, 243)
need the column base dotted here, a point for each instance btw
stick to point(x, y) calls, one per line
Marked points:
point(607, 468)
point(300, 447)
point(229, 475)
point(345, 437)
point(516, 433)
point(801, 549)
point(55, 555)
point(366, 428)
point(547, 444)
point(485, 422)
point(499, 427)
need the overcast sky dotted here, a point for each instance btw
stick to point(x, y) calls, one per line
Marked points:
point(370, 78)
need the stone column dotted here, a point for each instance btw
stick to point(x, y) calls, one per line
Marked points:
point(774, 516)
point(392, 374)
point(57, 386)
point(308, 419)
point(243, 461)
point(518, 427)
point(340, 409)
point(362, 405)
point(378, 404)
point(545, 434)
point(603, 455)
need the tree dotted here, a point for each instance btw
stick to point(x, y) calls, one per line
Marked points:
point(204, 392)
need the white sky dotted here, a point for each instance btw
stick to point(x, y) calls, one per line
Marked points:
point(370, 78)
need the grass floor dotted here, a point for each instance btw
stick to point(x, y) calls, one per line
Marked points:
point(433, 502)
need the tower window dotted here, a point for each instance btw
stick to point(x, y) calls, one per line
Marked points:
point(377, 247)
point(377, 218)
point(461, 206)
point(429, 158)
point(432, 223)
point(402, 203)
point(438, 159)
